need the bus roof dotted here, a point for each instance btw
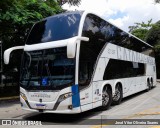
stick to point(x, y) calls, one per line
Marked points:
point(120, 29)
point(87, 12)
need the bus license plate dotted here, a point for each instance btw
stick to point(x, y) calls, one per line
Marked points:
point(41, 106)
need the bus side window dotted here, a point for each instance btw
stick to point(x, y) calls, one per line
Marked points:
point(90, 51)
point(85, 73)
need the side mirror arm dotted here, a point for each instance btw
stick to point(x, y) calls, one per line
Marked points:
point(71, 46)
point(83, 39)
point(8, 52)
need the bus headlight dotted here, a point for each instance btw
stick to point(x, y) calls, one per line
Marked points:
point(23, 96)
point(64, 96)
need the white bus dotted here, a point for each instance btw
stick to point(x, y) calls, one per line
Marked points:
point(77, 61)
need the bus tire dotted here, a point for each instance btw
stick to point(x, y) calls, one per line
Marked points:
point(106, 98)
point(151, 83)
point(148, 86)
point(118, 95)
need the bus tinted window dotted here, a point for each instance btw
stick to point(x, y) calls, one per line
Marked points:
point(89, 51)
point(54, 28)
point(107, 33)
point(123, 69)
point(100, 33)
point(49, 65)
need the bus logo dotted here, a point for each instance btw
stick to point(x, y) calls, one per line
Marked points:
point(44, 81)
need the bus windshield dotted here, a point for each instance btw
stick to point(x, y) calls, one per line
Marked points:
point(57, 27)
point(47, 69)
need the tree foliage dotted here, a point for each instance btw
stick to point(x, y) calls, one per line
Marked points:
point(140, 29)
point(71, 2)
point(151, 34)
point(153, 38)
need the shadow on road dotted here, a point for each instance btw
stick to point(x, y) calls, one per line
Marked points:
point(51, 118)
point(9, 103)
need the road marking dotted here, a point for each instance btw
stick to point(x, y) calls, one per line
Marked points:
point(145, 113)
point(98, 126)
point(155, 127)
point(9, 98)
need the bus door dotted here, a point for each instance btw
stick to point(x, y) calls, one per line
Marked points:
point(85, 87)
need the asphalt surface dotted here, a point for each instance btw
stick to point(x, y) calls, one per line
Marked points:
point(144, 106)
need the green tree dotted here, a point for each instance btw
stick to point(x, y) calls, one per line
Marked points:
point(140, 29)
point(151, 34)
point(71, 2)
point(153, 38)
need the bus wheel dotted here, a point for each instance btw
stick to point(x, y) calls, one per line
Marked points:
point(106, 98)
point(148, 86)
point(118, 95)
point(151, 83)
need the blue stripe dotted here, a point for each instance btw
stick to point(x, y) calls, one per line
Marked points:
point(75, 96)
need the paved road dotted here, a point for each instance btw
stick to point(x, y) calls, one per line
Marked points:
point(144, 105)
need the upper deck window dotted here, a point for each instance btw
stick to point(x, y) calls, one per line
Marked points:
point(58, 27)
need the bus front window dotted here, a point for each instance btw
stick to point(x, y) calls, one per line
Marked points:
point(47, 69)
point(54, 28)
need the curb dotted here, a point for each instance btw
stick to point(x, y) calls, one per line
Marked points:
point(9, 98)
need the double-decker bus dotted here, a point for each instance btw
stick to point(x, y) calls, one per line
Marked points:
point(76, 61)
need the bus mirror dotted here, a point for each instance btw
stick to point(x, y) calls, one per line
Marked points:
point(71, 46)
point(8, 52)
point(83, 38)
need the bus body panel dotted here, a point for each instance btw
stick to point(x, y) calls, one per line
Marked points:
point(99, 70)
point(86, 96)
point(73, 111)
point(49, 104)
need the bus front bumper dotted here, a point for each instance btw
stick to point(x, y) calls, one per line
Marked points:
point(63, 107)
